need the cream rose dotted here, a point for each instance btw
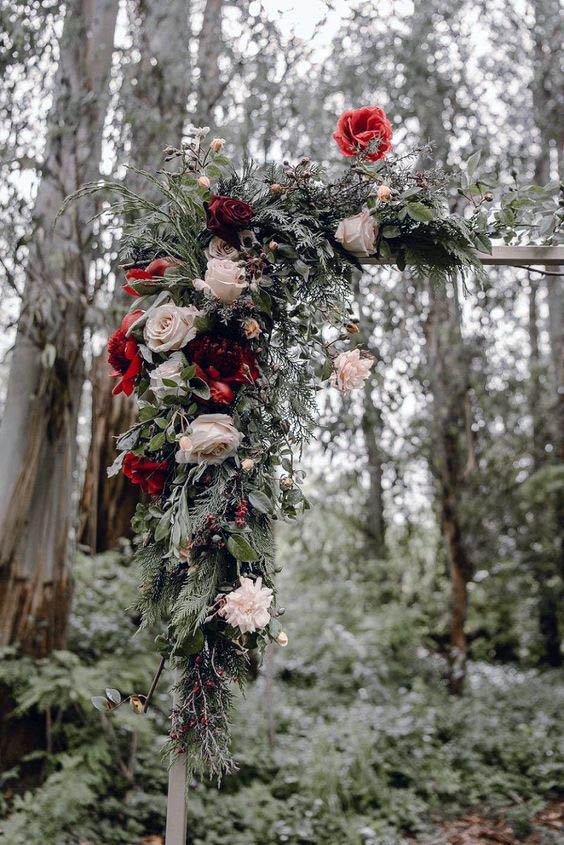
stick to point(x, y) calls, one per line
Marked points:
point(169, 370)
point(246, 607)
point(218, 248)
point(224, 280)
point(170, 327)
point(350, 370)
point(358, 234)
point(212, 439)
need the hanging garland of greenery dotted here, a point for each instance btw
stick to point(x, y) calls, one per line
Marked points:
point(242, 310)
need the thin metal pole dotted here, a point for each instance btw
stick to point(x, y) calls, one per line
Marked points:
point(176, 804)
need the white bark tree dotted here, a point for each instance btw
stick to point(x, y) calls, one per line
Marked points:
point(38, 431)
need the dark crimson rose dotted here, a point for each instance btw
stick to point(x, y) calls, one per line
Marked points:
point(149, 475)
point(221, 362)
point(123, 355)
point(225, 215)
point(155, 270)
point(357, 128)
point(222, 359)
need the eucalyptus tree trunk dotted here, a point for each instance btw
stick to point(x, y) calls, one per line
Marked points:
point(154, 98)
point(448, 375)
point(39, 428)
point(547, 107)
point(209, 87)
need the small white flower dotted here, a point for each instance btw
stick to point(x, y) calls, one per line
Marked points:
point(169, 370)
point(247, 464)
point(282, 639)
point(224, 280)
point(384, 193)
point(358, 234)
point(213, 438)
point(171, 327)
point(246, 607)
point(350, 370)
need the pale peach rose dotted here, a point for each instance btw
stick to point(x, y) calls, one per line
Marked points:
point(224, 280)
point(170, 327)
point(350, 370)
point(251, 328)
point(203, 182)
point(218, 248)
point(213, 438)
point(247, 464)
point(384, 193)
point(246, 607)
point(358, 234)
point(217, 144)
point(282, 639)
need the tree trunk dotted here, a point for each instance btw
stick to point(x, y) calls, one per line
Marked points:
point(449, 386)
point(372, 431)
point(154, 103)
point(210, 86)
point(38, 432)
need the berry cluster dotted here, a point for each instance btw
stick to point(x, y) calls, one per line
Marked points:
point(241, 512)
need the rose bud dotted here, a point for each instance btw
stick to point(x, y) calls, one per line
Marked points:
point(203, 182)
point(282, 639)
point(273, 246)
point(217, 144)
point(286, 482)
point(384, 193)
point(247, 465)
point(251, 328)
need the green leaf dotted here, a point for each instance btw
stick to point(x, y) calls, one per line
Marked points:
point(157, 442)
point(200, 388)
point(114, 695)
point(148, 412)
point(472, 163)
point(163, 527)
point(391, 231)
point(418, 211)
point(100, 702)
point(192, 644)
point(260, 502)
point(241, 549)
point(188, 372)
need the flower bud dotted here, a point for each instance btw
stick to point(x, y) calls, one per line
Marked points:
point(203, 182)
point(217, 144)
point(251, 328)
point(247, 464)
point(287, 482)
point(276, 189)
point(352, 328)
point(273, 246)
point(488, 197)
point(384, 193)
point(282, 639)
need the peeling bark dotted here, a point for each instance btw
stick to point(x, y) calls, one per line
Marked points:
point(38, 432)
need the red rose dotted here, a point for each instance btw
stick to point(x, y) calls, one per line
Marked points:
point(149, 475)
point(155, 270)
point(123, 355)
point(225, 215)
point(357, 128)
point(221, 362)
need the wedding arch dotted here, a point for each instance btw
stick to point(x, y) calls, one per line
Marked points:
point(241, 287)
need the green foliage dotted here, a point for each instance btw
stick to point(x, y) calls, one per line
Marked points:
point(348, 735)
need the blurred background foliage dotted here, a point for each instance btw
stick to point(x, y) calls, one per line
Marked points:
point(424, 587)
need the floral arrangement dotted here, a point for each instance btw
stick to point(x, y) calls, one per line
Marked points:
point(241, 288)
